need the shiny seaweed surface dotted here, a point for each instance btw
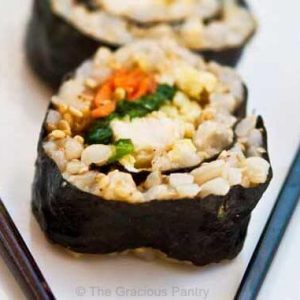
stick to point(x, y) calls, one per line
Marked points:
point(200, 231)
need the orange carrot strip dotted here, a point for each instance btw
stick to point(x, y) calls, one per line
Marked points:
point(148, 84)
point(135, 82)
point(104, 93)
point(104, 110)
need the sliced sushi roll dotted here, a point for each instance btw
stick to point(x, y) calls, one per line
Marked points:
point(63, 33)
point(148, 146)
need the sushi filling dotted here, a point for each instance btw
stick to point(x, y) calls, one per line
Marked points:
point(197, 24)
point(158, 111)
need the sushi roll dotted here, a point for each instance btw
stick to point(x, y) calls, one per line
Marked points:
point(148, 146)
point(63, 33)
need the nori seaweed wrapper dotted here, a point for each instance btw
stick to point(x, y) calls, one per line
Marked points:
point(200, 231)
point(55, 48)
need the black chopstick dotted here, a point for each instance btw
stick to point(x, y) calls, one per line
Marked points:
point(272, 234)
point(19, 260)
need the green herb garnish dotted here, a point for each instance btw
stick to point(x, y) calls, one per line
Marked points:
point(101, 133)
point(146, 104)
point(122, 147)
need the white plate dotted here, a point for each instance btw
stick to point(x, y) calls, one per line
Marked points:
point(271, 70)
